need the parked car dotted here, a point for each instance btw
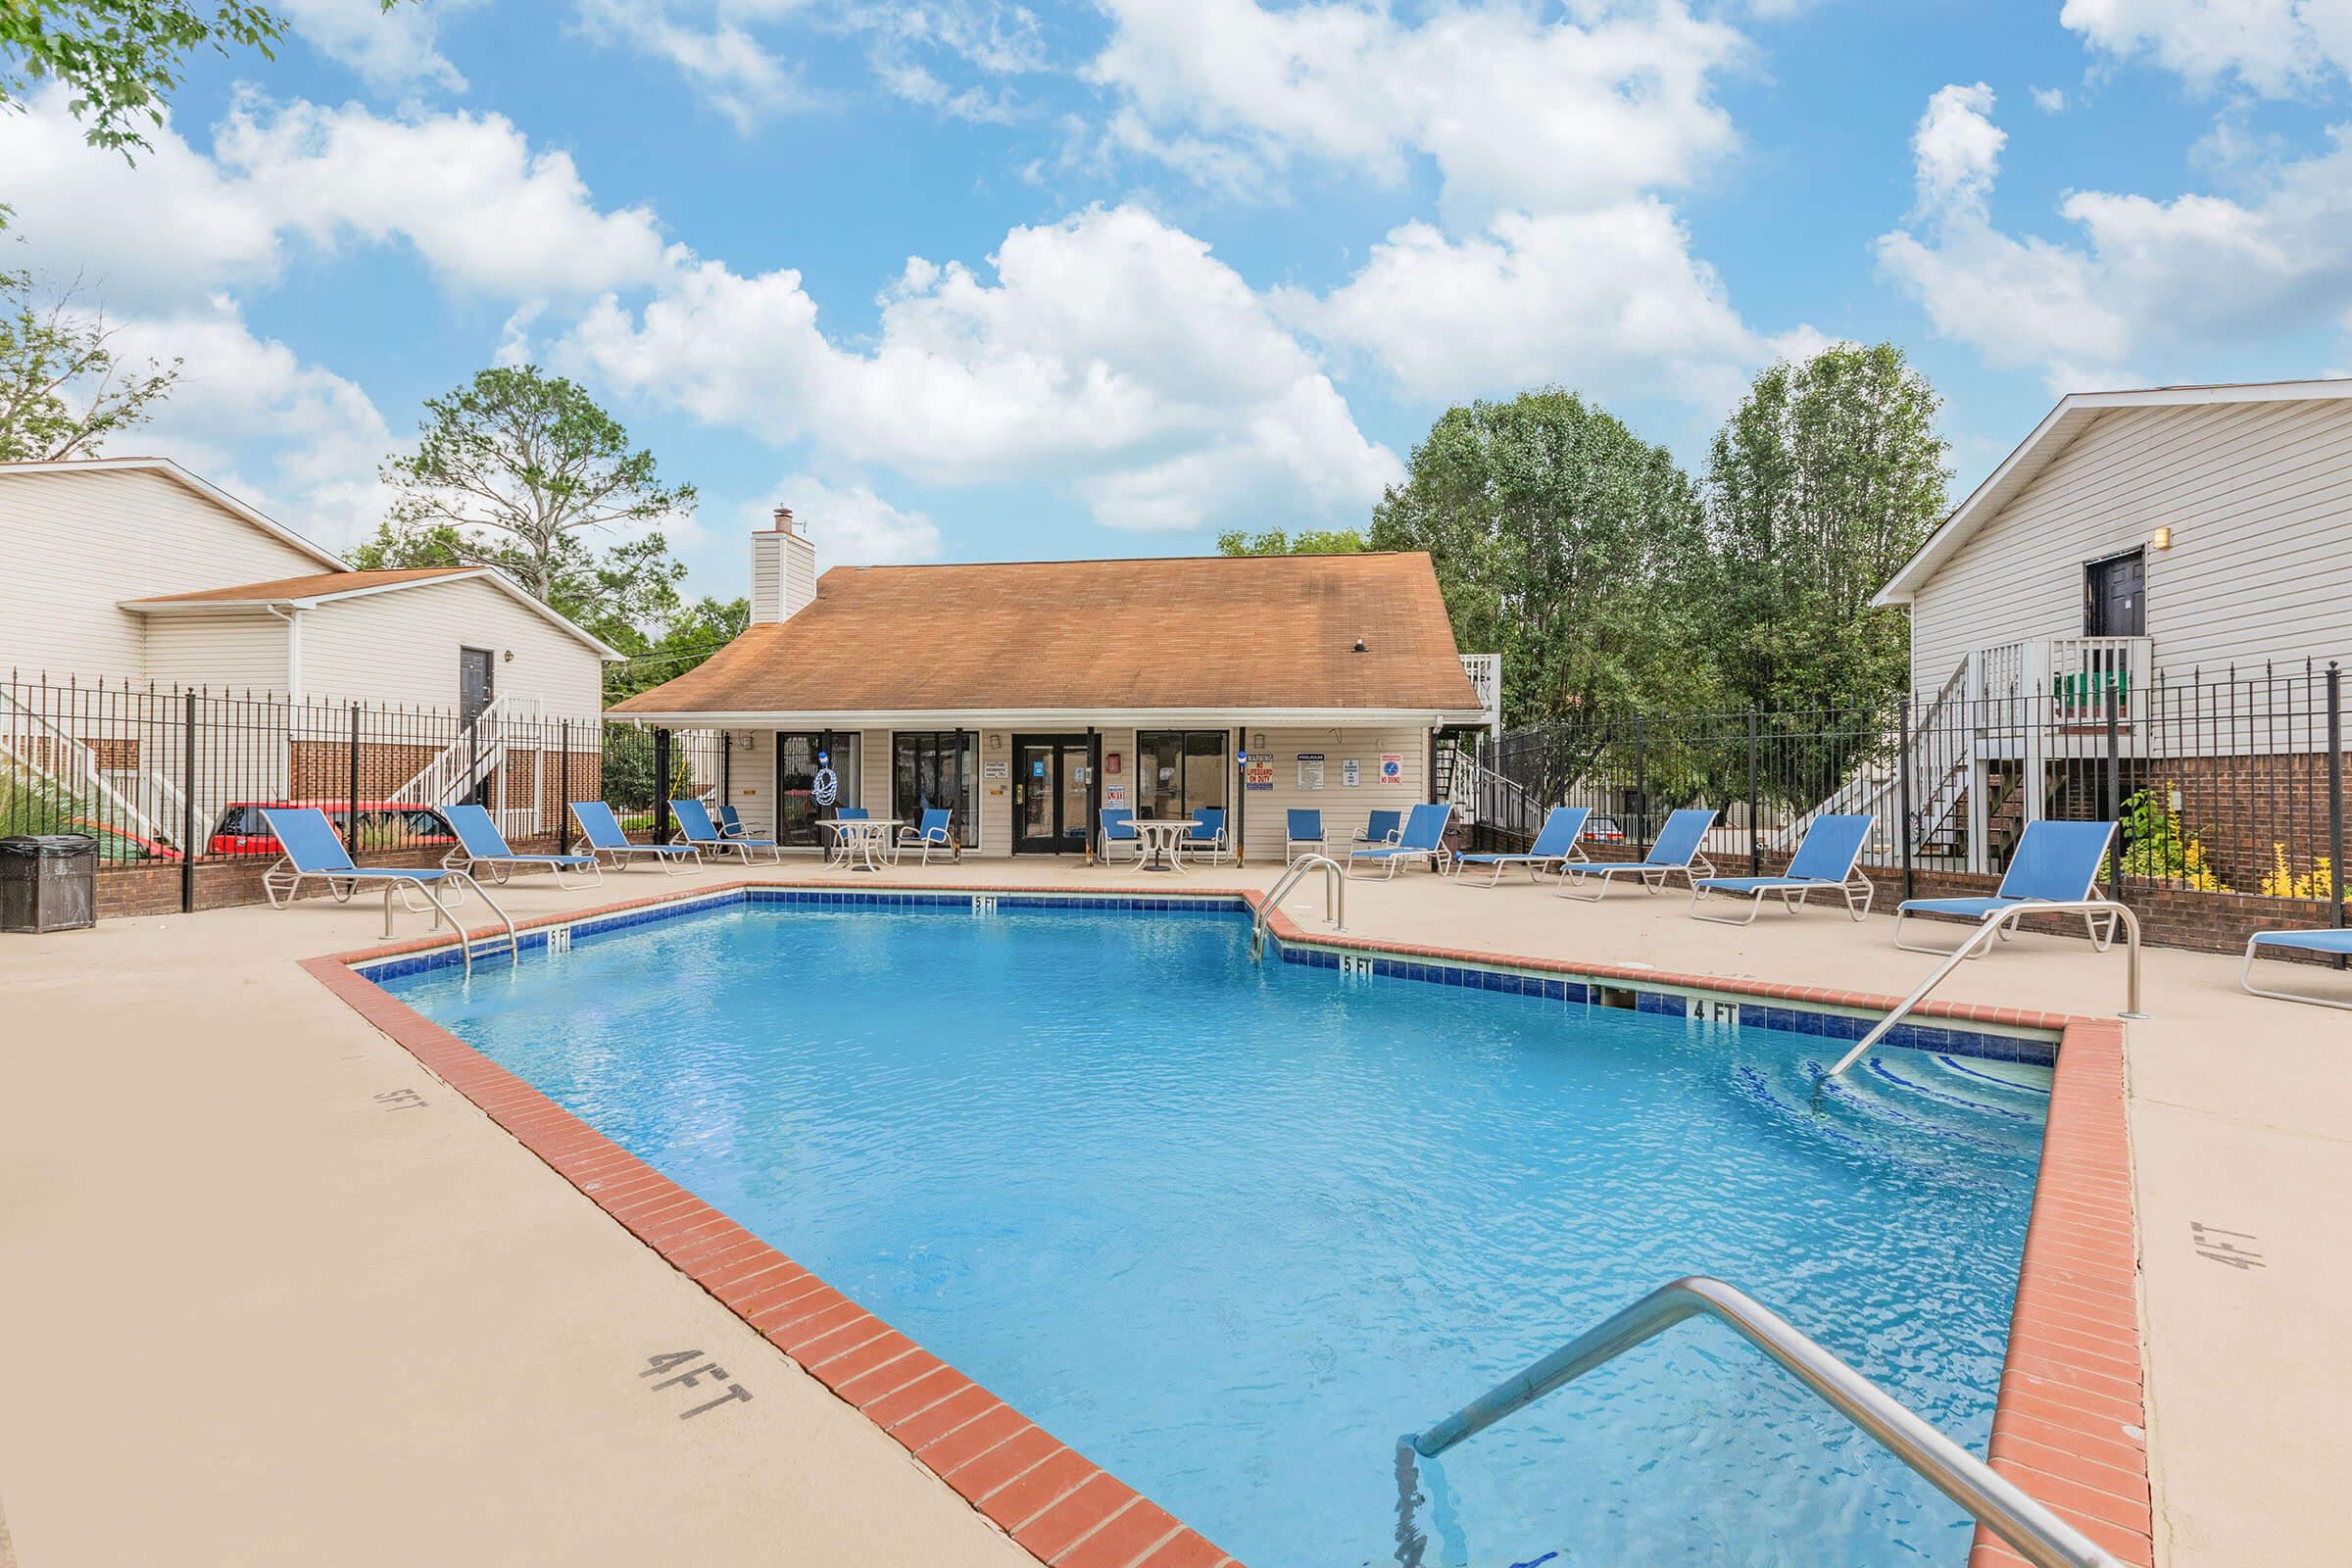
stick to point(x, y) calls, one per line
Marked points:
point(120, 843)
point(1603, 830)
point(383, 825)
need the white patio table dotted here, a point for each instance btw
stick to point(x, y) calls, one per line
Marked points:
point(863, 840)
point(1162, 843)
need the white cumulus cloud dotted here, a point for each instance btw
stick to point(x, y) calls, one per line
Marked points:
point(2275, 47)
point(849, 523)
point(392, 51)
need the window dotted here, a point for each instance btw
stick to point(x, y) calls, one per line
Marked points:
point(1178, 772)
point(931, 769)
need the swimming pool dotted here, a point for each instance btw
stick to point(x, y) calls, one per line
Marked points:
point(1230, 1229)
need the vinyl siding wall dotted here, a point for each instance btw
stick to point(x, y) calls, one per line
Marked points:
point(401, 648)
point(2259, 499)
point(74, 545)
point(233, 652)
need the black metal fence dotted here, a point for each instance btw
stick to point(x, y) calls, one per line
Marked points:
point(2233, 784)
point(178, 777)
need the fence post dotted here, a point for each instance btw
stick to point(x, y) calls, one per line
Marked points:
point(2115, 789)
point(2335, 799)
point(1756, 842)
point(351, 797)
point(1640, 797)
point(187, 805)
point(1902, 774)
point(564, 788)
point(661, 786)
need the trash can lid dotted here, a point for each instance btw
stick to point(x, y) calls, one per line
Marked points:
point(31, 845)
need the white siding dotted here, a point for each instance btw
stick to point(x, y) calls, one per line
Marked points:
point(401, 648)
point(2259, 499)
point(1343, 810)
point(236, 652)
point(74, 545)
point(783, 574)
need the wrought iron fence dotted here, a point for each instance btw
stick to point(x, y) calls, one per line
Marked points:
point(2229, 784)
point(171, 777)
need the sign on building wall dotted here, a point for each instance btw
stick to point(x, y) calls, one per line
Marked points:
point(1392, 768)
point(1351, 773)
point(1258, 774)
point(995, 772)
point(1114, 796)
point(1310, 770)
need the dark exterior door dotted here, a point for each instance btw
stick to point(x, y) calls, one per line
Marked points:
point(2115, 597)
point(476, 675)
point(797, 808)
point(1052, 783)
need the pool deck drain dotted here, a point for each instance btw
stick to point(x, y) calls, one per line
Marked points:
point(291, 1311)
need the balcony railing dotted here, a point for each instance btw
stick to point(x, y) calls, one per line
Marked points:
point(1486, 678)
point(2075, 673)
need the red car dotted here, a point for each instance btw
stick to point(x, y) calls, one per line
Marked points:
point(383, 824)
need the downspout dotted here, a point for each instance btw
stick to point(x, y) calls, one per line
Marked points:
point(293, 619)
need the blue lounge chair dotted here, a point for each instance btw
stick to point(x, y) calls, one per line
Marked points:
point(1822, 863)
point(1118, 827)
point(730, 823)
point(1302, 830)
point(1672, 853)
point(1555, 842)
point(1423, 837)
point(610, 845)
point(1208, 837)
point(695, 828)
point(312, 850)
point(481, 846)
point(2338, 943)
point(1381, 827)
point(933, 833)
point(2056, 862)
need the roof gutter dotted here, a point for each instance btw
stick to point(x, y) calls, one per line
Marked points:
point(1063, 717)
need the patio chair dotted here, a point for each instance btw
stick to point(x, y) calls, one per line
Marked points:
point(1673, 853)
point(1554, 842)
point(611, 847)
point(2338, 943)
point(1208, 838)
point(1381, 827)
point(933, 833)
point(312, 851)
point(481, 846)
point(1118, 827)
point(2055, 863)
point(1822, 863)
point(1423, 837)
point(1302, 830)
point(695, 828)
point(730, 823)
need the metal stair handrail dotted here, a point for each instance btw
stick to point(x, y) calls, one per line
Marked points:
point(2029, 1528)
point(1335, 898)
point(1983, 937)
point(73, 764)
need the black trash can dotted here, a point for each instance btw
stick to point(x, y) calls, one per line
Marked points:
point(48, 881)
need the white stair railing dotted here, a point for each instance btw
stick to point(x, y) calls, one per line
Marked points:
point(38, 750)
point(1939, 786)
point(463, 765)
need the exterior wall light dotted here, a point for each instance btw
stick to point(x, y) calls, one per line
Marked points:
point(2163, 539)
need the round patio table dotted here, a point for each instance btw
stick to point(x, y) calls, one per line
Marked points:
point(861, 838)
point(1162, 843)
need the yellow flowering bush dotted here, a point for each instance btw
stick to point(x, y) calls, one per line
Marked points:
point(2283, 881)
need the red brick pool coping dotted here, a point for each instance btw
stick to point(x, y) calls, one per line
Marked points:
point(2068, 1426)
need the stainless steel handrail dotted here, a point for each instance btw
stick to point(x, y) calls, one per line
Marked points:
point(446, 912)
point(2034, 1532)
point(1335, 897)
point(1983, 935)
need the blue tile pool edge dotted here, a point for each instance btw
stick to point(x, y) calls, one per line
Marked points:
point(2030, 1047)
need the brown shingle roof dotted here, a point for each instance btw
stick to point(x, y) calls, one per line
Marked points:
point(309, 587)
point(1265, 633)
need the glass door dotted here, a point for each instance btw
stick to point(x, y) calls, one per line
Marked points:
point(816, 774)
point(1052, 783)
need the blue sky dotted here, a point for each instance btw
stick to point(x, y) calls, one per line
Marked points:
point(970, 279)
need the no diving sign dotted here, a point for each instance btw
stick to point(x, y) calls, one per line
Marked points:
point(1392, 768)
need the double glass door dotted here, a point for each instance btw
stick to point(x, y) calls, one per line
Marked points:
point(816, 774)
point(1053, 781)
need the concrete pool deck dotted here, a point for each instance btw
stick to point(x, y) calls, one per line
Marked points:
point(276, 1294)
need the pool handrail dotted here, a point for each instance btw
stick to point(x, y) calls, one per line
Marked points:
point(2028, 1527)
point(311, 849)
point(1335, 898)
point(1983, 937)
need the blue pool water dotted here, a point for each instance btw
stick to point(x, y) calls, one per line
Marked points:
point(1231, 1229)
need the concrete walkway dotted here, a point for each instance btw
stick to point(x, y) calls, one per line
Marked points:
point(276, 1296)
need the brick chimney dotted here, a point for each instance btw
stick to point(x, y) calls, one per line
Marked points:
point(783, 569)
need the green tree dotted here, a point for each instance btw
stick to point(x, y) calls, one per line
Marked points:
point(62, 387)
point(693, 635)
point(1824, 482)
point(121, 58)
point(1305, 542)
point(511, 470)
point(1567, 544)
